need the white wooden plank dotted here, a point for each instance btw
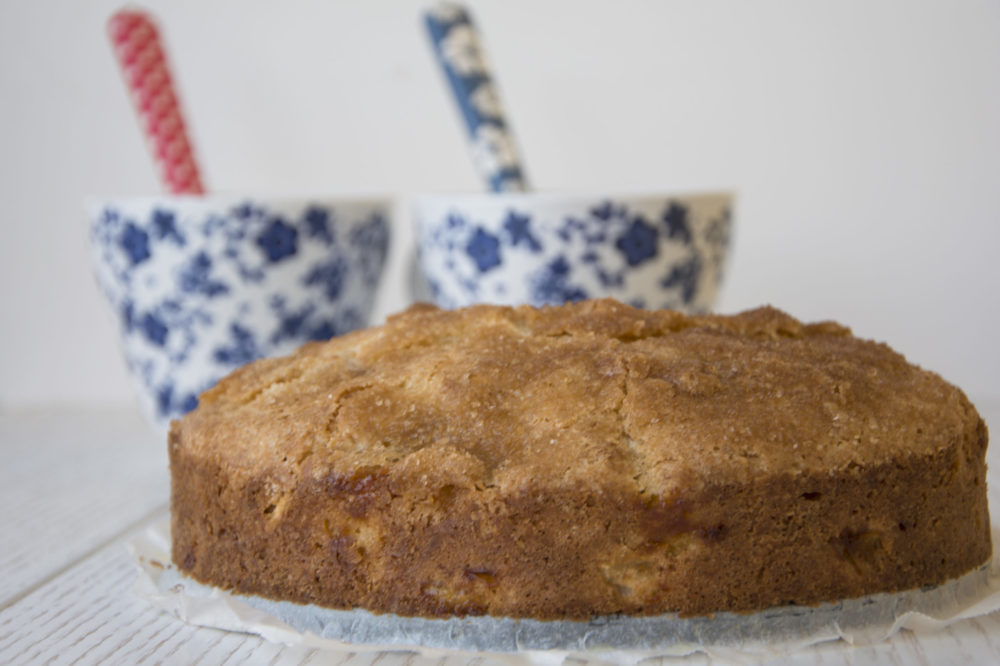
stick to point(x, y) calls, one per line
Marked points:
point(88, 615)
point(72, 480)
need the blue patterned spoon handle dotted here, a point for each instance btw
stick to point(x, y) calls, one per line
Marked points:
point(461, 55)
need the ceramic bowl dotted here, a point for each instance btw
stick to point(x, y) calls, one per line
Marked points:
point(202, 285)
point(653, 251)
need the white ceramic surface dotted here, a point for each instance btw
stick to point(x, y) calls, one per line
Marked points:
point(202, 285)
point(653, 251)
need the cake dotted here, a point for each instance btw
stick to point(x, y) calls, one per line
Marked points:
point(579, 461)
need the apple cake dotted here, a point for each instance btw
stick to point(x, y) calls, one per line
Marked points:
point(578, 461)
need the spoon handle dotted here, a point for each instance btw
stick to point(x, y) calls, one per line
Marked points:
point(140, 55)
point(461, 55)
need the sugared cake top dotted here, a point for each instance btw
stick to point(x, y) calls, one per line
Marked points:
point(590, 394)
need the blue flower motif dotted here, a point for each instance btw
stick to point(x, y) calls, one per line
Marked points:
point(603, 212)
point(373, 234)
point(676, 220)
point(170, 305)
point(251, 275)
point(195, 278)
point(435, 289)
point(455, 221)
point(164, 399)
point(324, 331)
point(128, 315)
point(135, 242)
point(717, 233)
point(638, 243)
point(717, 239)
point(329, 275)
point(471, 288)
point(317, 223)
point(189, 402)
point(167, 405)
point(484, 249)
point(610, 280)
point(347, 320)
point(242, 350)
point(292, 323)
point(372, 242)
point(154, 329)
point(559, 267)
point(519, 228)
point(244, 210)
point(350, 319)
point(685, 276)
point(278, 240)
point(165, 225)
point(551, 284)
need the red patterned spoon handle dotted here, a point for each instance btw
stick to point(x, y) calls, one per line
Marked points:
point(140, 54)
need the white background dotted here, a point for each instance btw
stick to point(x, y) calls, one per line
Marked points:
point(863, 139)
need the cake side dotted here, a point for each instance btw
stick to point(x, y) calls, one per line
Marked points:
point(441, 547)
point(577, 461)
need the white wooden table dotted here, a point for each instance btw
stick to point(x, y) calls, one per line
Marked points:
point(76, 483)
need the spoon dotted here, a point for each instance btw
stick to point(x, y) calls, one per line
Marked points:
point(137, 47)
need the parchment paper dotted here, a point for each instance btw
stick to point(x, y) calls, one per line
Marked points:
point(613, 639)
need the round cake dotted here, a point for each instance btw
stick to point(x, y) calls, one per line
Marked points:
point(578, 461)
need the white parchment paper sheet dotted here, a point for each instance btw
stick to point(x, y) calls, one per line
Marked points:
point(613, 639)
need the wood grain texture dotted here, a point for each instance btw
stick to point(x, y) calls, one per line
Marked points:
point(88, 615)
point(72, 480)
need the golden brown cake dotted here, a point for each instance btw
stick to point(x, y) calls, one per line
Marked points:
point(578, 461)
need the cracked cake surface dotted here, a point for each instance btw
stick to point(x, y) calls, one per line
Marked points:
point(580, 460)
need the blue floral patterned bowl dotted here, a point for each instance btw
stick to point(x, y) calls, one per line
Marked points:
point(202, 285)
point(664, 251)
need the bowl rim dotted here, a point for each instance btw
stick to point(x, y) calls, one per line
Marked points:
point(567, 197)
point(95, 203)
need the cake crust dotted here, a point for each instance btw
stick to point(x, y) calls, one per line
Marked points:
point(582, 460)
